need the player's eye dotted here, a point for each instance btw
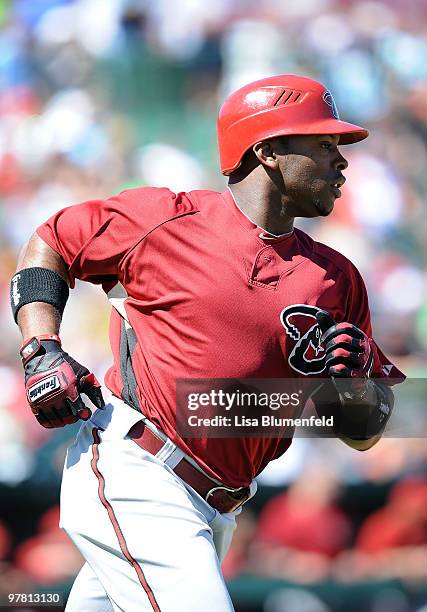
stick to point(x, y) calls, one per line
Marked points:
point(326, 145)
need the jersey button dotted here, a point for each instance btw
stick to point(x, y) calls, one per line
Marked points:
point(267, 267)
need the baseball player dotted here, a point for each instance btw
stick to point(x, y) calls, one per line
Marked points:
point(203, 285)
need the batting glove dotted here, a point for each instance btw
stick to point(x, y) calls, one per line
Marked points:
point(349, 355)
point(54, 381)
point(348, 349)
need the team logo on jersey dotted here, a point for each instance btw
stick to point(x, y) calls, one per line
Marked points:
point(307, 355)
point(327, 97)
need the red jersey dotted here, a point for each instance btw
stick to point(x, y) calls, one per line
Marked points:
point(199, 291)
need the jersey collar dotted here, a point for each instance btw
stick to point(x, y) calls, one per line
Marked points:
point(262, 234)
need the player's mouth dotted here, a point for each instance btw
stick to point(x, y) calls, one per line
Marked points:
point(335, 186)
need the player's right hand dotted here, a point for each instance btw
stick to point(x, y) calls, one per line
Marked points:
point(54, 382)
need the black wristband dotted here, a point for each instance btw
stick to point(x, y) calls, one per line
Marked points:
point(38, 285)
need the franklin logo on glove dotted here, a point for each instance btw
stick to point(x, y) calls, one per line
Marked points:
point(43, 387)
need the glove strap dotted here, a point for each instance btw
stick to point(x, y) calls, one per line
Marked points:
point(31, 347)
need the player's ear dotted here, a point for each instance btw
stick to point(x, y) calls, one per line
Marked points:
point(265, 152)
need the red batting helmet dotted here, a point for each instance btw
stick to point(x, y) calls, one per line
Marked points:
point(278, 106)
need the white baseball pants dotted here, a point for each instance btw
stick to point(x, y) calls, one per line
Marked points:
point(149, 540)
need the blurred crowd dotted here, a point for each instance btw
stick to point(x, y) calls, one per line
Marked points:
point(97, 96)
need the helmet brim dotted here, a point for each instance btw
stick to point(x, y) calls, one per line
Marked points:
point(349, 133)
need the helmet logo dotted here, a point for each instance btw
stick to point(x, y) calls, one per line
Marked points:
point(327, 97)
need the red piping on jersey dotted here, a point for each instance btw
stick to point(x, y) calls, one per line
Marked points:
point(113, 519)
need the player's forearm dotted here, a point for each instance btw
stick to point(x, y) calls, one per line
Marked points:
point(362, 422)
point(358, 423)
point(361, 445)
point(40, 318)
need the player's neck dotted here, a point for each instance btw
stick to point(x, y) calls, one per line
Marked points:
point(262, 205)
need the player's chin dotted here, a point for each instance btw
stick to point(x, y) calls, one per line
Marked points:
point(324, 206)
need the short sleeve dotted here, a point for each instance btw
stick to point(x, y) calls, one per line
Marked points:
point(93, 237)
point(358, 313)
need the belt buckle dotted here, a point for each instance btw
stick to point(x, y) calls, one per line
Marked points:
point(229, 490)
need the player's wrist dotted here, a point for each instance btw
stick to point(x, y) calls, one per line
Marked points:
point(40, 285)
point(356, 390)
point(363, 419)
point(36, 344)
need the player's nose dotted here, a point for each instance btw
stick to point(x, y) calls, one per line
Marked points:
point(341, 163)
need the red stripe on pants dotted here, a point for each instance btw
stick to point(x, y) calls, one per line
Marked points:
point(113, 519)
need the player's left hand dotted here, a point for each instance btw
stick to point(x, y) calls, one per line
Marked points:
point(349, 353)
